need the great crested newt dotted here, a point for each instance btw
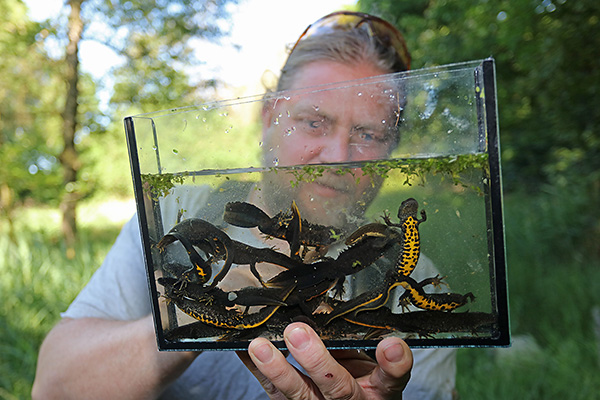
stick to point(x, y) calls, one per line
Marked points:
point(356, 257)
point(379, 297)
point(244, 254)
point(424, 323)
point(411, 241)
point(415, 295)
point(214, 313)
point(207, 237)
point(247, 296)
point(288, 226)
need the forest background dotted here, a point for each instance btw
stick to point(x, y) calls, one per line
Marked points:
point(63, 160)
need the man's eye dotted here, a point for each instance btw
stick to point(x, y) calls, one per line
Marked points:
point(366, 137)
point(315, 124)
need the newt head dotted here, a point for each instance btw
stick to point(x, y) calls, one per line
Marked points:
point(408, 208)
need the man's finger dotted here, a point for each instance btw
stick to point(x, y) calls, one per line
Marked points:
point(395, 363)
point(278, 377)
point(331, 379)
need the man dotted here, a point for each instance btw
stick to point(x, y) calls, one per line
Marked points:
point(105, 345)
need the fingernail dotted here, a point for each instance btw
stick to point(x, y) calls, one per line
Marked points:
point(298, 338)
point(394, 353)
point(264, 353)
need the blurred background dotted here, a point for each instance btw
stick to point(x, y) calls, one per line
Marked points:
point(70, 71)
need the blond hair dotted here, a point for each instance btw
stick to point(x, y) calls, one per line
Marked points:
point(347, 47)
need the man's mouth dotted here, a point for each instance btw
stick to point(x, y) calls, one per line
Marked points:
point(332, 185)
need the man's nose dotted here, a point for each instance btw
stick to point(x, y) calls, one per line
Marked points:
point(335, 147)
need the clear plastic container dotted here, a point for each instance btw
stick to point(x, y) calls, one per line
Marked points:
point(364, 208)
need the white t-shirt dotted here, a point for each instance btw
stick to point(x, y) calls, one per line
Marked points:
point(119, 290)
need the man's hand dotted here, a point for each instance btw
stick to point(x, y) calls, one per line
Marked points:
point(347, 374)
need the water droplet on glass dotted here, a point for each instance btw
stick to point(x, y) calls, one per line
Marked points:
point(154, 148)
point(260, 144)
point(289, 131)
point(175, 151)
point(316, 108)
point(276, 161)
point(359, 94)
point(276, 122)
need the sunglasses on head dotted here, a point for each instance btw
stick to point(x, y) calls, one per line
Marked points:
point(378, 29)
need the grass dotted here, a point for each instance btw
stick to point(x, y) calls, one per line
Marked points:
point(554, 281)
point(37, 283)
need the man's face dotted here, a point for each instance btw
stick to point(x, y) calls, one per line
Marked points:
point(328, 126)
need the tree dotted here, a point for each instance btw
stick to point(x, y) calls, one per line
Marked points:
point(547, 73)
point(29, 112)
point(548, 87)
point(38, 138)
point(155, 39)
point(69, 157)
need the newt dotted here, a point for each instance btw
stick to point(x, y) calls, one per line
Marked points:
point(415, 295)
point(244, 254)
point(356, 257)
point(379, 297)
point(424, 323)
point(288, 226)
point(410, 241)
point(248, 296)
point(207, 237)
point(214, 313)
point(314, 280)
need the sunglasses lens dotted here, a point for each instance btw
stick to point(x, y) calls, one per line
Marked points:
point(377, 28)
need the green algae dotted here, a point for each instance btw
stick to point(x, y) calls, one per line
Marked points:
point(159, 185)
point(412, 169)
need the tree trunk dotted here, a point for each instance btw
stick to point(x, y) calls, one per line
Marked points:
point(69, 157)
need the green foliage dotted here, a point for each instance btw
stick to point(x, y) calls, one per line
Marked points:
point(29, 116)
point(547, 75)
point(155, 39)
point(547, 81)
point(37, 283)
point(554, 283)
point(156, 42)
